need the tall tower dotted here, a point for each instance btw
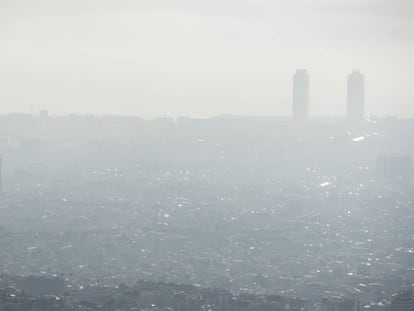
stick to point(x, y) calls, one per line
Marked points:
point(355, 97)
point(300, 107)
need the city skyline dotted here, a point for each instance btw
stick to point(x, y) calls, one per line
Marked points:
point(355, 97)
point(202, 59)
point(221, 155)
point(301, 106)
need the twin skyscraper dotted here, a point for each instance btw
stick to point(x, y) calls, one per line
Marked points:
point(355, 96)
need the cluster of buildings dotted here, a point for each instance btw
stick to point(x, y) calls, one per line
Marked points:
point(254, 206)
point(355, 96)
point(159, 296)
point(143, 295)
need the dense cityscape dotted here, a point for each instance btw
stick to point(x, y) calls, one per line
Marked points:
point(226, 213)
point(220, 155)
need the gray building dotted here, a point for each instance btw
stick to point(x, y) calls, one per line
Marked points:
point(403, 301)
point(300, 95)
point(356, 96)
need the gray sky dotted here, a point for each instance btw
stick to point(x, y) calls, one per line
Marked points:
point(203, 58)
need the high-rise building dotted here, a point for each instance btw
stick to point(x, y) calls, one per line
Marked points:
point(356, 97)
point(43, 113)
point(300, 95)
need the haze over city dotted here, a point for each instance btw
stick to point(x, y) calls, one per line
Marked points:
point(203, 58)
point(220, 155)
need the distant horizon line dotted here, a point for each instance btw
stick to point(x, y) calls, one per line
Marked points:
point(287, 117)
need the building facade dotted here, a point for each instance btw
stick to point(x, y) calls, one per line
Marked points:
point(356, 97)
point(300, 95)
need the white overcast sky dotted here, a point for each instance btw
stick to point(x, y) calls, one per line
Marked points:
point(203, 57)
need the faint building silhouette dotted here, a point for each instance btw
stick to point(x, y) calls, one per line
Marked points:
point(403, 301)
point(340, 304)
point(1, 175)
point(392, 169)
point(356, 96)
point(43, 113)
point(301, 95)
point(37, 286)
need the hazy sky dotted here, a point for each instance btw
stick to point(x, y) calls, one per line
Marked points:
point(203, 58)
